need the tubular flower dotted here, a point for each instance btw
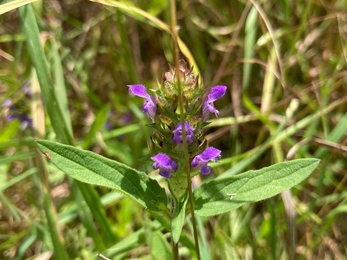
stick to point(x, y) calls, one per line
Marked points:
point(203, 158)
point(177, 134)
point(165, 165)
point(149, 106)
point(208, 107)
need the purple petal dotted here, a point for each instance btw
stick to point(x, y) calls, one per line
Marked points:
point(126, 118)
point(216, 93)
point(178, 133)
point(208, 107)
point(165, 165)
point(210, 153)
point(202, 159)
point(10, 118)
point(108, 125)
point(205, 169)
point(150, 107)
point(7, 103)
point(26, 89)
point(139, 90)
point(25, 121)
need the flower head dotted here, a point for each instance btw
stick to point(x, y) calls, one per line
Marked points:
point(177, 133)
point(208, 107)
point(203, 158)
point(165, 165)
point(149, 106)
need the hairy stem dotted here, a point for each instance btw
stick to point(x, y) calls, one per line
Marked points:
point(182, 115)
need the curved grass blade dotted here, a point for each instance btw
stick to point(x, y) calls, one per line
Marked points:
point(53, 108)
point(39, 60)
point(4, 8)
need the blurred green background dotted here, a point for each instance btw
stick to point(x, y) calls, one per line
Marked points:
point(64, 70)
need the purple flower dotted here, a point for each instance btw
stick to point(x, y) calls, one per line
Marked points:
point(203, 158)
point(149, 106)
point(26, 121)
point(126, 118)
point(208, 107)
point(26, 89)
point(165, 165)
point(7, 103)
point(108, 125)
point(177, 133)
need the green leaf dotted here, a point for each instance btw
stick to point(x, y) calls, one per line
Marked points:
point(222, 195)
point(178, 218)
point(250, 34)
point(60, 88)
point(160, 248)
point(92, 168)
point(38, 57)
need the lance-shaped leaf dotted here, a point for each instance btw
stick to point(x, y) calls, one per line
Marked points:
point(178, 217)
point(222, 195)
point(92, 168)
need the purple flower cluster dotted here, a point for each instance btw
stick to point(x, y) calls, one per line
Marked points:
point(167, 166)
point(16, 112)
point(161, 107)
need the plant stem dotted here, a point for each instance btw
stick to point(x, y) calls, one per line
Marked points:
point(175, 250)
point(185, 145)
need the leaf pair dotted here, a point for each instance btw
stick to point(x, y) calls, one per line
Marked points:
point(211, 198)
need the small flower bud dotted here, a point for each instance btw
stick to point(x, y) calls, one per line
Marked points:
point(178, 134)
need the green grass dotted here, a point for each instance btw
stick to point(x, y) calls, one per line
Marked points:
point(284, 64)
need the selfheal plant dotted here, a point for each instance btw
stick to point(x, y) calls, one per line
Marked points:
point(162, 106)
point(179, 109)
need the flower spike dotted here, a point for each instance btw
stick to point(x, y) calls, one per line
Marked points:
point(208, 107)
point(165, 165)
point(203, 158)
point(149, 106)
point(177, 134)
point(170, 120)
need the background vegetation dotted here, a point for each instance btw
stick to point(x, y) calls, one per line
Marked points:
point(284, 63)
